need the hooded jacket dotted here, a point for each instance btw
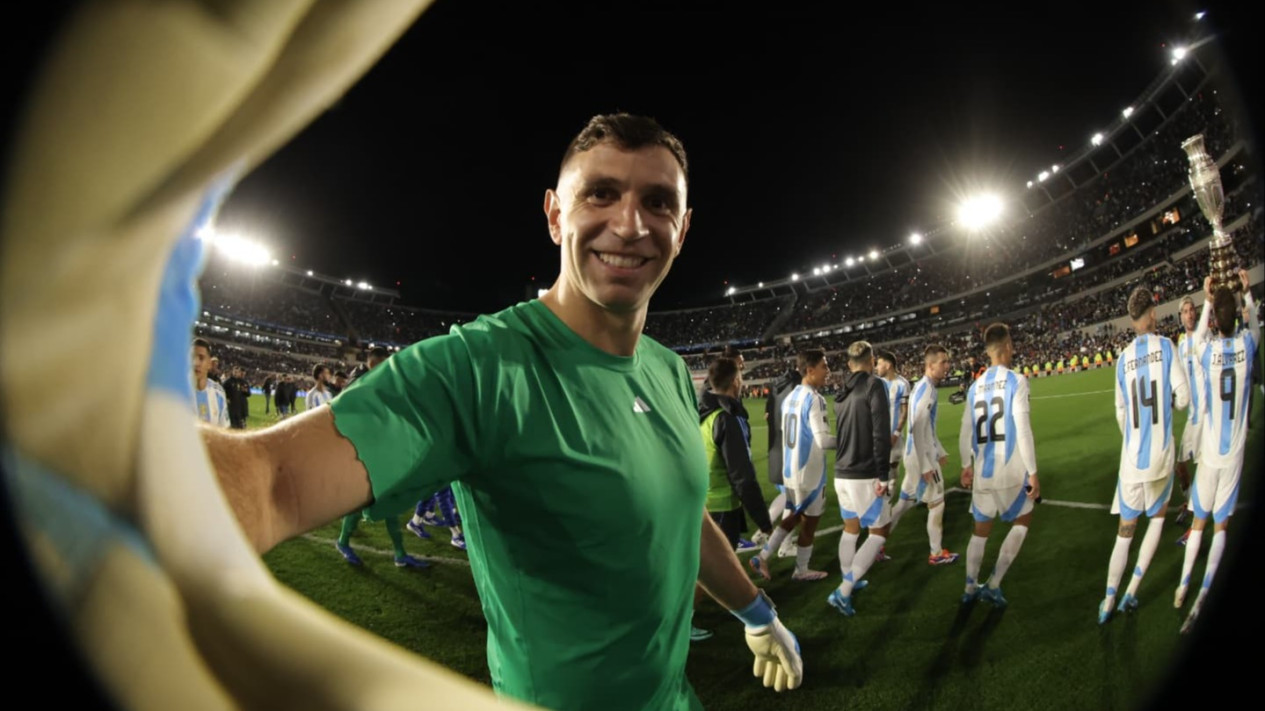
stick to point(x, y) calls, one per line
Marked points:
point(863, 439)
point(728, 443)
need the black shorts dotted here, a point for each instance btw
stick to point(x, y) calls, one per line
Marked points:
point(731, 523)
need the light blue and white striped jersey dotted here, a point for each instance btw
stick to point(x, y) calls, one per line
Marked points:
point(315, 398)
point(211, 404)
point(1226, 365)
point(897, 395)
point(922, 447)
point(1150, 382)
point(805, 438)
point(1187, 348)
point(996, 435)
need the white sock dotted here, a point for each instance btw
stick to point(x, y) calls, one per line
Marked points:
point(897, 511)
point(778, 507)
point(935, 527)
point(1214, 558)
point(775, 542)
point(417, 520)
point(974, 559)
point(847, 550)
point(1115, 568)
point(802, 556)
point(861, 563)
point(1150, 542)
point(1006, 556)
point(1192, 552)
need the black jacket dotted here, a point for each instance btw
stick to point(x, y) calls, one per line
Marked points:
point(237, 393)
point(773, 416)
point(863, 438)
point(732, 435)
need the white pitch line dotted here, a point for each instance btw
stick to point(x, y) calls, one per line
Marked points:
point(390, 554)
point(1052, 397)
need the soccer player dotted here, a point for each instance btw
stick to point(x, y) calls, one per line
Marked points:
point(780, 390)
point(999, 463)
point(806, 437)
point(209, 399)
point(897, 388)
point(1227, 360)
point(561, 405)
point(925, 457)
point(863, 438)
point(319, 394)
point(1189, 449)
point(1150, 383)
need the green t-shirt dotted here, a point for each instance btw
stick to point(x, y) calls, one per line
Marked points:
point(580, 478)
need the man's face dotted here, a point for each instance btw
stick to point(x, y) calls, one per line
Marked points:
point(620, 218)
point(1189, 316)
point(340, 381)
point(215, 365)
point(882, 368)
point(939, 366)
point(201, 362)
point(818, 374)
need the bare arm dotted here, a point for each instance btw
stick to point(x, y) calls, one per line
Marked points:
point(719, 571)
point(289, 478)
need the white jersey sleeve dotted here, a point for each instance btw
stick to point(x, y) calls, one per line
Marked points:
point(821, 426)
point(921, 449)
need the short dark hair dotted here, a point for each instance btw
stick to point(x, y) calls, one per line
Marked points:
point(316, 371)
point(379, 352)
point(934, 349)
point(629, 133)
point(1140, 301)
point(1226, 310)
point(203, 343)
point(721, 373)
point(339, 374)
point(888, 356)
point(860, 352)
point(808, 358)
point(731, 351)
point(996, 335)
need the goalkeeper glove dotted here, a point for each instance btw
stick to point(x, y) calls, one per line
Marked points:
point(777, 658)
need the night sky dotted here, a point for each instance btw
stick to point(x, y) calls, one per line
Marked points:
point(810, 135)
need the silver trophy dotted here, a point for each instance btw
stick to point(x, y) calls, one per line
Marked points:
point(1205, 183)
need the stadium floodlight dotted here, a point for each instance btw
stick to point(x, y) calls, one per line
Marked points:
point(1029, 183)
point(1054, 168)
point(309, 272)
point(795, 277)
point(760, 285)
point(1200, 15)
point(348, 282)
point(363, 285)
point(873, 254)
point(825, 268)
point(1179, 53)
point(730, 291)
point(979, 211)
point(1128, 111)
point(816, 271)
point(238, 248)
point(916, 238)
point(1097, 139)
point(275, 262)
point(1043, 176)
point(850, 261)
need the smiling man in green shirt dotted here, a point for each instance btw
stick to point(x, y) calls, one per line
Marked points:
point(561, 406)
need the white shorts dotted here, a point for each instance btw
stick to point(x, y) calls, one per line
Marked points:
point(858, 500)
point(1215, 492)
point(1009, 503)
point(1149, 497)
point(1190, 443)
point(914, 488)
point(815, 498)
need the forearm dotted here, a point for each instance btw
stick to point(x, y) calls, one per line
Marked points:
point(245, 473)
point(719, 571)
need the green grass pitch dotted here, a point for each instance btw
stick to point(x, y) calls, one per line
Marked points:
point(910, 645)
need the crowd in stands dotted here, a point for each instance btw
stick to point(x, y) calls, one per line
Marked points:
point(398, 325)
point(694, 328)
point(256, 297)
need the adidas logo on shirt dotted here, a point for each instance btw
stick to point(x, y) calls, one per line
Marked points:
point(640, 405)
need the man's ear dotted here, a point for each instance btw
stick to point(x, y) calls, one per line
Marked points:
point(553, 215)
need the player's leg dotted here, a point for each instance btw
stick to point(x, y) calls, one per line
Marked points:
point(417, 523)
point(807, 533)
point(1156, 508)
point(1019, 513)
point(1203, 494)
point(1225, 499)
point(975, 552)
point(781, 532)
point(343, 544)
point(911, 488)
point(402, 558)
point(933, 495)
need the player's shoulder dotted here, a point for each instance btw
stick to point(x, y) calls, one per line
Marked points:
point(213, 386)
